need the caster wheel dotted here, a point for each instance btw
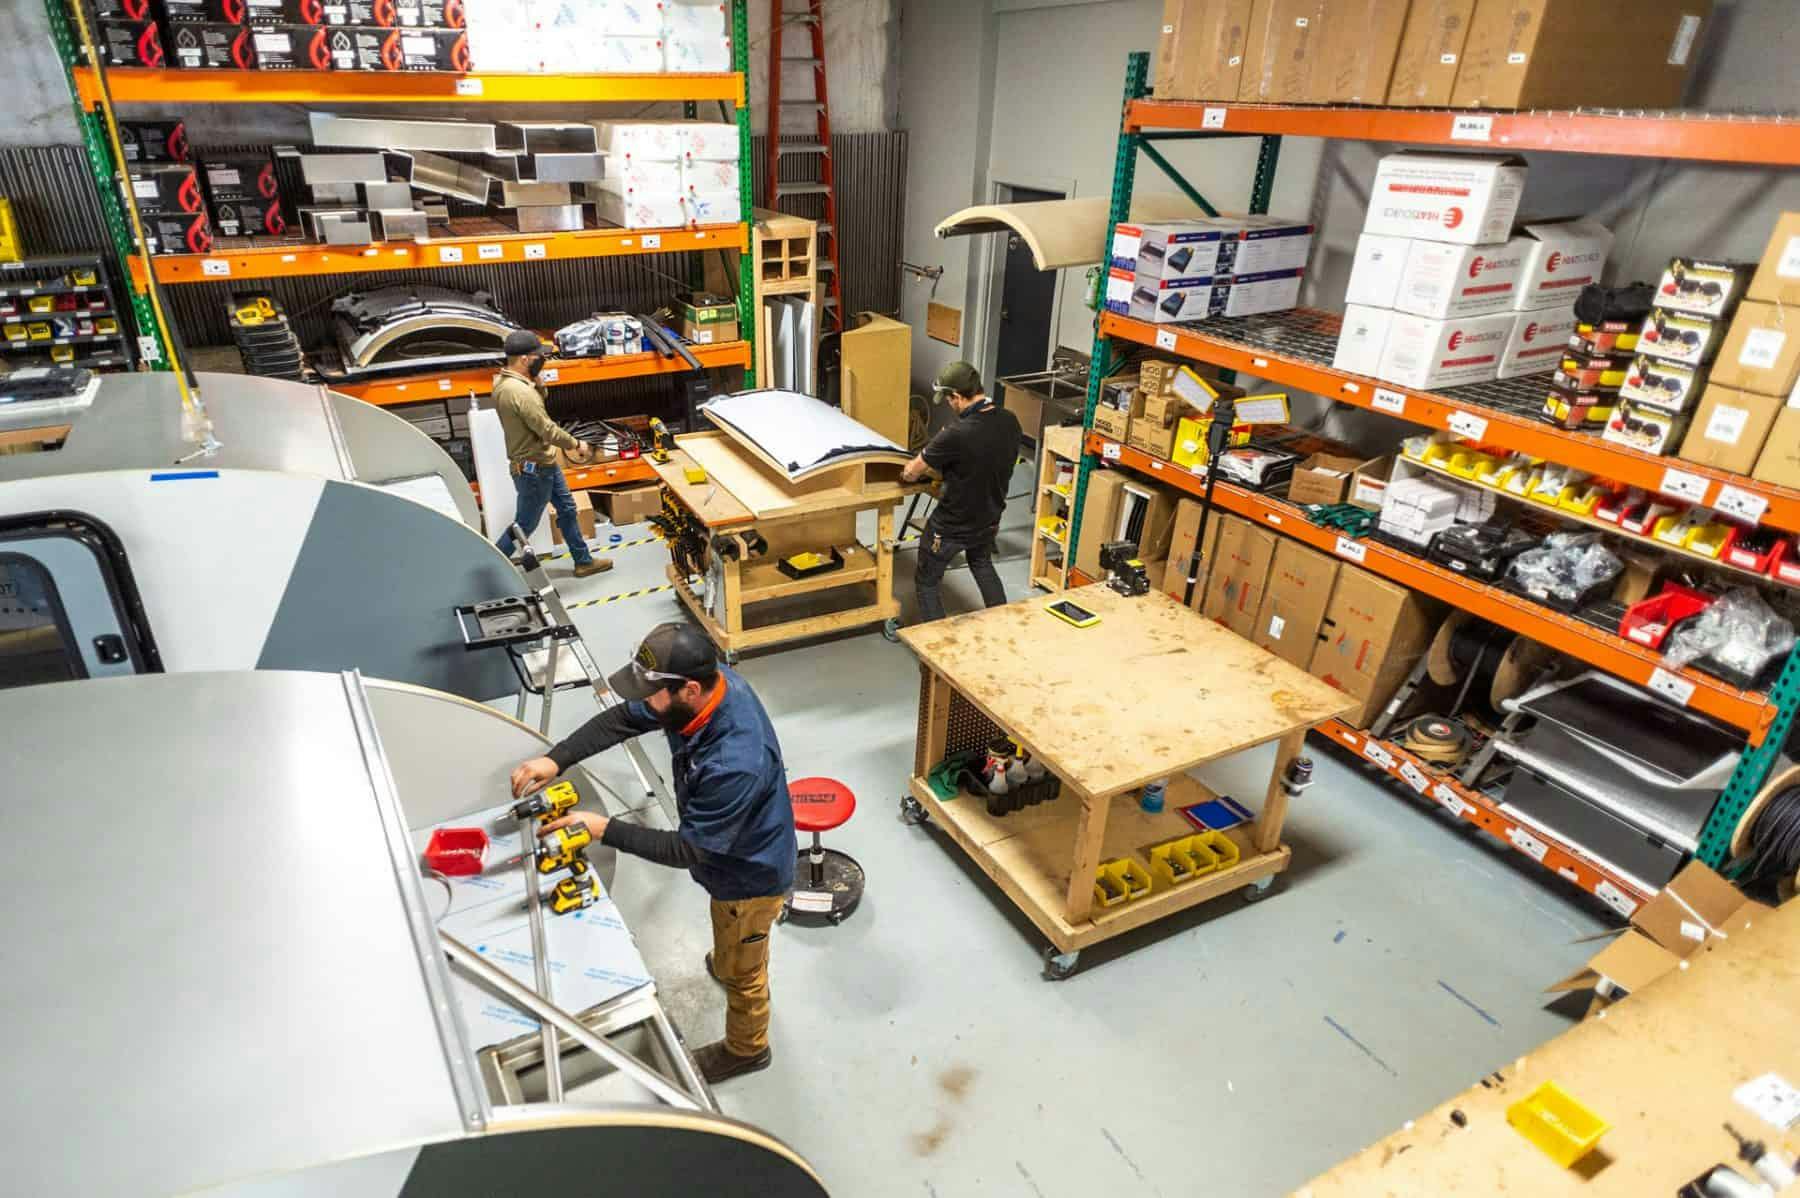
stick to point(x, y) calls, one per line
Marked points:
point(1259, 891)
point(891, 629)
point(731, 657)
point(783, 916)
point(912, 811)
point(1058, 966)
point(836, 918)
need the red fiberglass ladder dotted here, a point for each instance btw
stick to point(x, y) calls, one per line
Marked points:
point(815, 148)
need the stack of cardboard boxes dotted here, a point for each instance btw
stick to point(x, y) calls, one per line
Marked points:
point(1213, 266)
point(1162, 410)
point(285, 35)
point(1443, 292)
point(182, 203)
point(1431, 53)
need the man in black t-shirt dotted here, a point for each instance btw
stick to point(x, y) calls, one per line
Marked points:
point(974, 455)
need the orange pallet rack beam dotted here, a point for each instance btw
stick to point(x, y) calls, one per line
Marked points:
point(137, 85)
point(1749, 711)
point(1693, 136)
point(1691, 483)
point(421, 388)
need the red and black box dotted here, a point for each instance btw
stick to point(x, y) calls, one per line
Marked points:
point(212, 45)
point(186, 233)
point(152, 142)
point(249, 218)
point(292, 47)
point(131, 43)
point(367, 48)
point(170, 189)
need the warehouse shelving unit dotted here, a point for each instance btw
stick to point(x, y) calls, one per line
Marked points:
point(474, 241)
point(1295, 349)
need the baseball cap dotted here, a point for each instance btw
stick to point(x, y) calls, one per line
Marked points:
point(960, 377)
point(671, 654)
point(520, 342)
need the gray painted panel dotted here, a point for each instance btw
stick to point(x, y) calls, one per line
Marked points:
point(373, 589)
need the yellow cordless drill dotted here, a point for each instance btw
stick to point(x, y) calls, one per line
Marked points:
point(578, 890)
point(550, 803)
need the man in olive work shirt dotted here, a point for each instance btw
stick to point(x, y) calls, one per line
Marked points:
point(532, 439)
point(974, 455)
point(736, 836)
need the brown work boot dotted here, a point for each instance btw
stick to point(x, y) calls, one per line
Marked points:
point(599, 565)
point(718, 1063)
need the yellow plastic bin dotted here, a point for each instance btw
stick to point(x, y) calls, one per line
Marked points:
point(1192, 853)
point(1551, 1118)
point(1119, 881)
point(1222, 846)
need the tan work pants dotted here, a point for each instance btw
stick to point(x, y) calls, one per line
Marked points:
point(741, 962)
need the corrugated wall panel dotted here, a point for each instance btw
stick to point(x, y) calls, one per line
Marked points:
point(54, 199)
point(871, 182)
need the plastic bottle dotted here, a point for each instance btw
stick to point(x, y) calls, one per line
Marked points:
point(1151, 797)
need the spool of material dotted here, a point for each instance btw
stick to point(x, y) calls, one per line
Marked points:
point(1767, 837)
point(1436, 740)
point(1483, 659)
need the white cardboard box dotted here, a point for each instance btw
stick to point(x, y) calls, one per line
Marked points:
point(1561, 259)
point(705, 175)
point(696, 20)
point(1364, 337)
point(1537, 342)
point(1427, 353)
point(1375, 271)
point(1469, 199)
point(710, 141)
point(1175, 249)
point(623, 55)
point(684, 52)
point(1161, 301)
point(711, 207)
point(1264, 244)
point(1127, 240)
point(1120, 282)
point(646, 141)
point(1248, 295)
point(640, 210)
point(1442, 280)
point(621, 18)
point(631, 175)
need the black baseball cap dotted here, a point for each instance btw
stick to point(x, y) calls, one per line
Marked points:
point(520, 342)
point(671, 654)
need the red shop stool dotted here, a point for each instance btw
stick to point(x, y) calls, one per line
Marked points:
point(826, 882)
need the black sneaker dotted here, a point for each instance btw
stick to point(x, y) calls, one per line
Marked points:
point(718, 1063)
point(711, 973)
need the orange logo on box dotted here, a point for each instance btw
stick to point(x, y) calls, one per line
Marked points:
point(1453, 218)
point(1475, 267)
point(1456, 339)
point(1553, 264)
point(1531, 332)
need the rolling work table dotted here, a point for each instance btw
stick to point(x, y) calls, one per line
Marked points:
point(1151, 691)
point(743, 494)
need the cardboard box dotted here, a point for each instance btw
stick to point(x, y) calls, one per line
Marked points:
point(710, 324)
point(1111, 422)
point(1363, 339)
point(1780, 460)
point(1322, 478)
point(130, 43)
point(1240, 571)
point(1444, 353)
point(1372, 634)
point(1777, 278)
point(1682, 336)
point(1369, 483)
point(1430, 50)
point(1442, 280)
point(1579, 53)
point(1157, 377)
point(1730, 428)
point(1697, 906)
point(1670, 386)
point(1561, 258)
point(1178, 249)
point(180, 233)
point(167, 190)
point(244, 177)
point(1222, 295)
point(1376, 270)
point(1183, 531)
point(292, 48)
point(1162, 410)
point(249, 218)
point(1294, 602)
point(1201, 54)
point(1099, 515)
point(1469, 199)
point(584, 514)
point(1284, 37)
point(1355, 59)
point(1157, 440)
point(153, 142)
point(1761, 352)
point(1256, 245)
point(1537, 343)
point(212, 45)
point(1645, 427)
point(633, 505)
point(1702, 286)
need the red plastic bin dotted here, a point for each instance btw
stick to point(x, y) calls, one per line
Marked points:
point(456, 852)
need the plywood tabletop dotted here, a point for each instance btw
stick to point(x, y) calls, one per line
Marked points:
point(1150, 691)
point(1660, 1067)
point(740, 487)
point(716, 506)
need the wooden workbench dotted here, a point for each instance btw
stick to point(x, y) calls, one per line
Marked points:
point(742, 493)
point(1660, 1067)
point(1150, 692)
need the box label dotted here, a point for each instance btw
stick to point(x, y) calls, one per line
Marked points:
point(1615, 898)
point(1727, 424)
point(1528, 844)
point(1448, 60)
point(1789, 266)
point(1472, 128)
point(1671, 686)
point(1391, 402)
point(1351, 550)
point(1466, 424)
point(1679, 484)
point(1740, 504)
point(1762, 348)
point(1276, 626)
point(1683, 45)
point(1516, 58)
point(1453, 802)
point(1415, 777)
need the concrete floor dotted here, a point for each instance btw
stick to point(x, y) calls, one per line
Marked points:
point(1237, 1049)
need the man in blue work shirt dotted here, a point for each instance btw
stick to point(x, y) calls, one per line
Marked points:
point(737, 824)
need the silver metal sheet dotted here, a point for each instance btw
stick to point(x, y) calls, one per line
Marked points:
point(349, 231)
point(552, 218)
point(446, 176)
point(534, 195)
point(314, 221)
point(551, 137)
point(393, 133)
point(336, 194)
point(343, 168)
point(405, 224)
point(568, 168)
point(243, 979)
point(386, 195)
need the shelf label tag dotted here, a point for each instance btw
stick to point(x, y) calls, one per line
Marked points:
point(534, 250)
point(1391, 402)
point(443, 384)
point(1109, 450)
point(1615, 898)
point(1472, 128)
point(1740, 504)
point(217, 267)
point(490, 252)
point(468, 86)
point(550, 375)
point(149, 350)
point(1157, 464)
point(1415, 777)
point(1467, 424)
point(1671, 686)
point(1374, 752)
point(1679, 484)
point(1165, 339)
point(1526, 843)
point(450, 253)
point(1446, 794)
point(1272, 518)
point(1212, 118)
point(651, 241)
point(1351, 550)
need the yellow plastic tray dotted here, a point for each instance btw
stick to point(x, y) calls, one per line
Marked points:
point(1560, 1127)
